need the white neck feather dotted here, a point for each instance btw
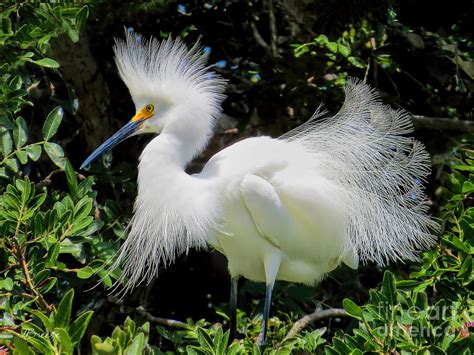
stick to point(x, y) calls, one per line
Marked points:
point(169, 218)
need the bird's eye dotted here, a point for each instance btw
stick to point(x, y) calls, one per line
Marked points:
point(150, 108)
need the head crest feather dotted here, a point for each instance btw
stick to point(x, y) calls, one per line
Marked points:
point(152, 67)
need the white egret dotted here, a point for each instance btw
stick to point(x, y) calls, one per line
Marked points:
point(344, 189)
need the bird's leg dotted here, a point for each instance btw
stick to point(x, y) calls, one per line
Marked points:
point(233, 306)
point(271, 264)
point(262, 337)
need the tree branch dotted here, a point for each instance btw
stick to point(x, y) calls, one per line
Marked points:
point(443, 123)
point(273, 30)
point(259, 39)
point(310, 318)
point(28, 279)
point(162, 321)
point(47, 180)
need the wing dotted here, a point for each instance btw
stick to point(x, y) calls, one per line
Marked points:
point(298, 231)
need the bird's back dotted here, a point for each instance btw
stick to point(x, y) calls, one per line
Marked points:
point(344, 188)
point(273, 202)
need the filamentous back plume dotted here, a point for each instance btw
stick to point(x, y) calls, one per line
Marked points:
point(377, 173)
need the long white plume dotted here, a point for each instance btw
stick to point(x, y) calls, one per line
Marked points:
point(166, 68)
point(377, 173)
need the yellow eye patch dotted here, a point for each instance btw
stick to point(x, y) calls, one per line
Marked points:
point(145, 113)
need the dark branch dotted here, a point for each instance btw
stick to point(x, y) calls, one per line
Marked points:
point(162, 321)
point(310, 318)
point(443, 123)
point(273, 30)
point(259, 39)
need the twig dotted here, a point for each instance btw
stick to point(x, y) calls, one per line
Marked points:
point(310, 318)
point(47, 180)
point(29, 281)
point(162, 321)
point(273, 30)
point(449, 124)
point(258, 37)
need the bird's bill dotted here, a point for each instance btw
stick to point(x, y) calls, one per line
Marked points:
point(124, 132)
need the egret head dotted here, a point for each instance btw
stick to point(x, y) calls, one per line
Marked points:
point(171, 87)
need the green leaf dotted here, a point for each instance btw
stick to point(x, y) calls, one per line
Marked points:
point(457, 243)
point(79, 326)
point(6, 284)
point(11, 199)
point(62, 315)
point(344, 50)
point(103, 348)
point(44, 319)
point(332, 46)
point(43, 274)
point(50, 126)
point(223, 343)
point(55, 152)
point(39, 343)
point(21, 347)
point(466, 268)
point(38, 200)
point(352, 309)
point(204, 339)
point(33, 151)
point(81, 17)
point(389, 288)
point(467, 187)
point(85, 272)
point(129, 325)
point(71, 31)
point(20, 133)
point(7, 144)
point(12, 163)
point(46, 62)
point(64, 341)
point(3, 173)
point(53, 252)
point(137, 345)
point(71, 177)
point(49, 285)
point(75, 248)
point(22, 156)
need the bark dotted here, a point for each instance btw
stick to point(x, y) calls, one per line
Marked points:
point(80, 70)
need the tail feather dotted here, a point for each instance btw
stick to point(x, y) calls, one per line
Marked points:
point(377, 172)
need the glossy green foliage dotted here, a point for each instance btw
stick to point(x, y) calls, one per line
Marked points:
point(433, 310)
point(49, 239)
point(125, 340)
point(56, 333)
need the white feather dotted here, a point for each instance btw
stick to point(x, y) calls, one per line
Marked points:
point(358, 168)
point(377, 173)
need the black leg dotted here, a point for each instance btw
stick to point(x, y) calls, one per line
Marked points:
point(262, 337)
point(233, 306)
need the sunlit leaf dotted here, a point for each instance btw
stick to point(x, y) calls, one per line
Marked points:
point(62, 314)
point(46, 62)
point(79, 326)
point(50, 126)
point(55, 152)
point(6, 139)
